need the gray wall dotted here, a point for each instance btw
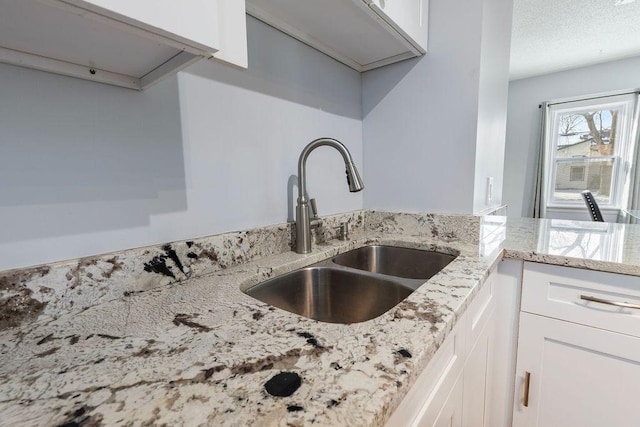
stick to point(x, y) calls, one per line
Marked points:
point(88, 168)
point(523, 119)
point(425, 118)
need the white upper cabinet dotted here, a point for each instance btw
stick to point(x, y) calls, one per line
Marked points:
point(363, 34)
point(408, 17)
point(125, 43)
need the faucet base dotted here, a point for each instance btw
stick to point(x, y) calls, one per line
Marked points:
point(303, 228)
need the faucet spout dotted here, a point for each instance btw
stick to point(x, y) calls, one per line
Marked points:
point(303, 223)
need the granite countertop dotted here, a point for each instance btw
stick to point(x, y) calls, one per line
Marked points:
point(199, 351)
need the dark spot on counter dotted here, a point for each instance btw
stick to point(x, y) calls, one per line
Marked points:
point(235, 313)
point(45, 339)
point(115, 266)
point(48, 352)
point(209, 372)
point(404, 353)
point(189, 243)
point(19, 307)
point(98, 361)
point(13, 279)
point(147, 350)
point(294, 408)
point(158, 265)
point(310, 339)
point(332, 403)
point(257, 315)
point(178, 350)
point(203, 376)
point(109, 337)
point(80, 418)
point(283, 384)
point(192, 255)
point(398, 384)
point(212, 255)
point(185, 319)
point(171, 253)
point(335, 365)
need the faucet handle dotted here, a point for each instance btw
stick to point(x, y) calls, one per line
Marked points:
point(314, 208)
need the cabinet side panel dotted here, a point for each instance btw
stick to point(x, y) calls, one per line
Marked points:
point(507, 293)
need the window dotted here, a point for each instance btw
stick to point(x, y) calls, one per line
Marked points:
point(576, 173)
point(588, 148)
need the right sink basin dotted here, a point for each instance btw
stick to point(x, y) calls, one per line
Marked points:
point(395, 261)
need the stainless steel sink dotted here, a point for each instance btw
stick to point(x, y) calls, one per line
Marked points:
point(331, 295)
point(395, 261)
point(352, 287)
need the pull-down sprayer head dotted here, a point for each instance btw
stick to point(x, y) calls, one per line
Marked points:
point(353, 178)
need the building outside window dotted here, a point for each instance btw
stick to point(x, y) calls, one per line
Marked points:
point(589, 147)
point(576, 174)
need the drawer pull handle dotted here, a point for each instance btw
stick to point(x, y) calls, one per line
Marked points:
point(527, 383)
point(606, 301)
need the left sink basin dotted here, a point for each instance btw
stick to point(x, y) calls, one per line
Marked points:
point(331, 295)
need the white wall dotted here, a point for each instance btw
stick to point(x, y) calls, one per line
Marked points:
point(492, 104)
point(424, 117)
point(88, 168)
point(523, 119)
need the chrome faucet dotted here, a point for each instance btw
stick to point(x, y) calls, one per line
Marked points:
point(303, 220)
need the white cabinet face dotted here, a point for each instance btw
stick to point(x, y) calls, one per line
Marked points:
point(407, 16)
point(194, 22)
point(359, 33)
point(125, 43)
point(478, 377)
point(579, 376)
point(451, 413)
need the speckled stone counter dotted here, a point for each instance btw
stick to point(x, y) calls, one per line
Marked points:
point(175, 341)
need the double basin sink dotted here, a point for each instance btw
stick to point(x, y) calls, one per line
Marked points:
point(352, 287)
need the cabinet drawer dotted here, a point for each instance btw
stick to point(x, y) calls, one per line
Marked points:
point(602, 300)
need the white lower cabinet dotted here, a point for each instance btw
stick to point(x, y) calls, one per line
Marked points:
point(455, 387)
point(578, 359)
point(578, 375)
point(433, 389)
point(577, 362)
point(478, 377)
point(451, 413)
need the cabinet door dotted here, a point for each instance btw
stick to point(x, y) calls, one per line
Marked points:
point(478, 377)
point(409, 17)
point(191, 22)
point(451, 413)
point(579, 376)
point(432, 391)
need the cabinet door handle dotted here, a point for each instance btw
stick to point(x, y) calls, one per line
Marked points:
point(527, 382)
point(608, 302)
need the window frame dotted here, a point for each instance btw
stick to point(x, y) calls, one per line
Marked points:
point(621, 157)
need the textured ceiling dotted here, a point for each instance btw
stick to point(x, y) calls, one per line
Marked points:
point(554, 35)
